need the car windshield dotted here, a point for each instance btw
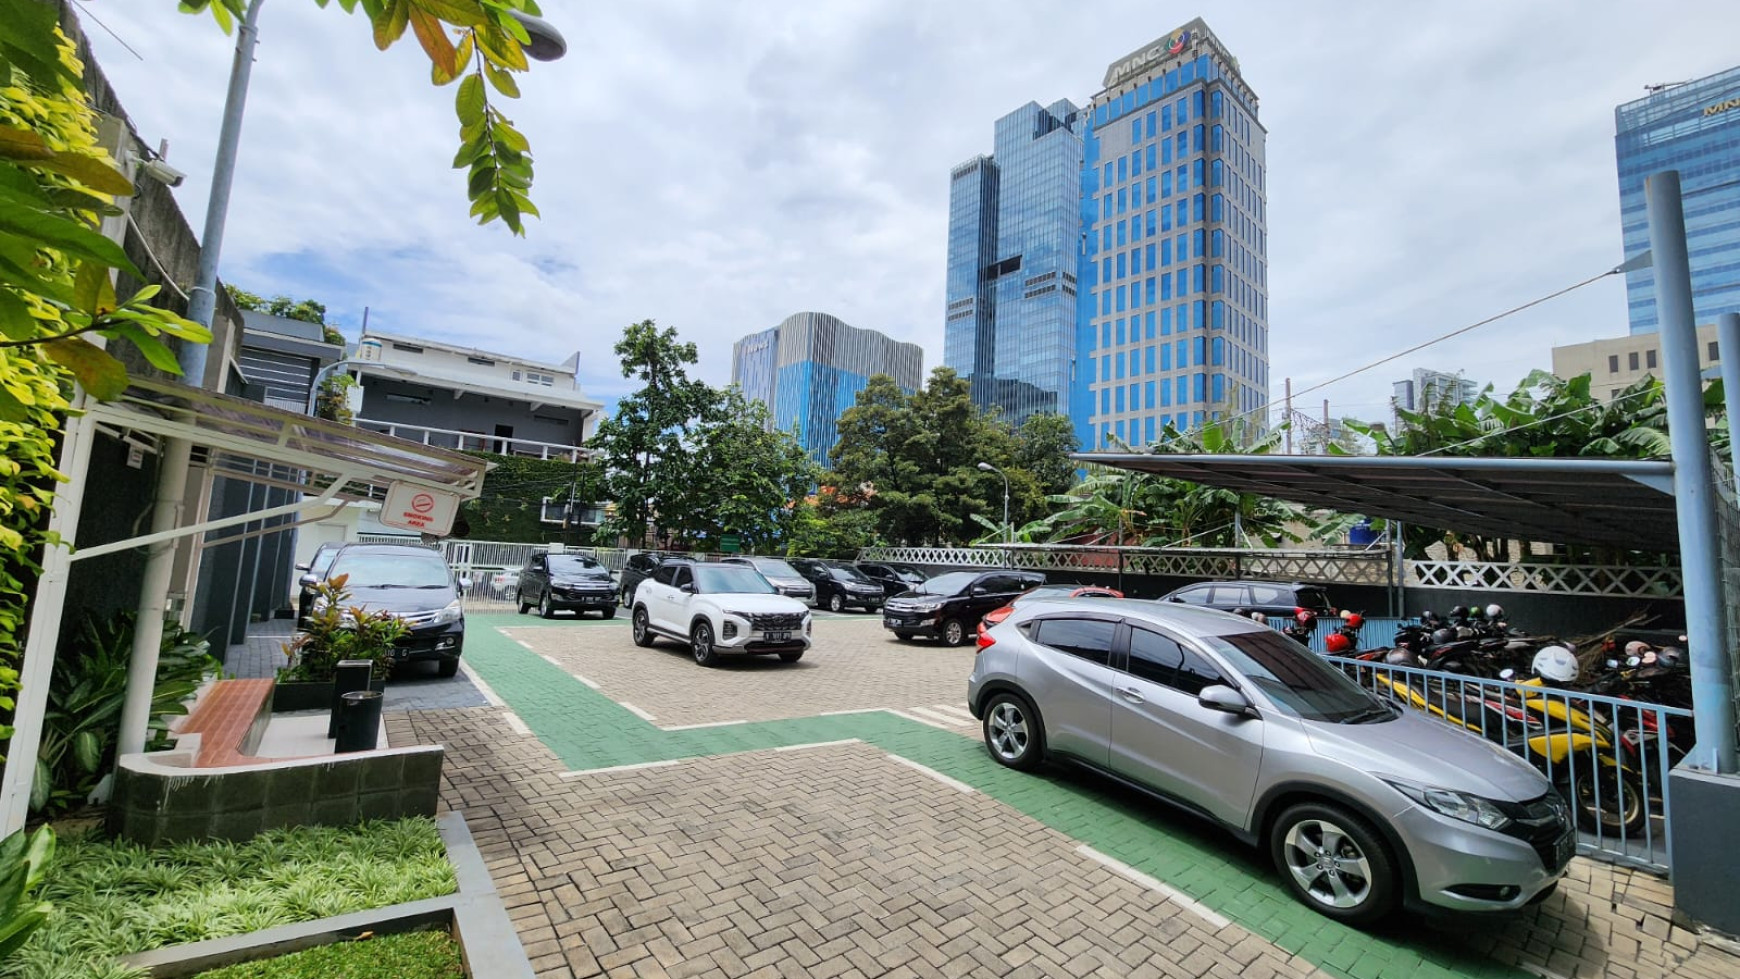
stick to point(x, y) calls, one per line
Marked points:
point(774, 568)
point(1044, 592)
point(388, 569)
point(952, 583)
point(847, 574)
point(1298, 681)
point(574, 564)
point(730, 580)
point(323, 559)
point(1312, 598)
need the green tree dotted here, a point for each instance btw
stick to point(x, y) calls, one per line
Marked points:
point(648, 465)
point(746, 476)
point(306, 310)
point(1044, 446)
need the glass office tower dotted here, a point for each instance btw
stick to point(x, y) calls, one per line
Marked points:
point(1172, 323)
point(1693, 128)
point(1009, 322)
point(810, 368)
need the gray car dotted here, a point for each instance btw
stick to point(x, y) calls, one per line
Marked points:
point(1361, 805)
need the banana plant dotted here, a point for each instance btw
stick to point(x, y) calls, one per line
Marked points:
point(24, 861)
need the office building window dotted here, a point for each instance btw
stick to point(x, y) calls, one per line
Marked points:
point(1613, 364)
point(1649, 359)
point(1631, 360)
point(1711, 351)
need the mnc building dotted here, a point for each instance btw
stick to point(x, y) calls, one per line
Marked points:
point(1693, 128)
point(1009, 320)
point(1173, 317)
point(810, 368)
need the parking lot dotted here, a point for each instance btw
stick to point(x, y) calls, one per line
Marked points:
point(646, 816)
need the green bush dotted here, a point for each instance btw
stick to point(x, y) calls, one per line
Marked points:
point(413, 955)
point(23, 862)
point(113, 898)
point(336, 631)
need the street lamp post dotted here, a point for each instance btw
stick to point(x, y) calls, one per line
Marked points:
point(1008, 531)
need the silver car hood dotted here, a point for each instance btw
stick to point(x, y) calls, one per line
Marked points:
point(1429, 752)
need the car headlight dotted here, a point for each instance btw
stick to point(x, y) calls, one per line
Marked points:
point(741, 615)
point(927, 607)
point(452, 613)
point(1456, 805)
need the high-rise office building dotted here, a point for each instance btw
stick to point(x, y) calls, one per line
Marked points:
point(810, 368)
point(1173, 317)
point(1009, 322)
point(1430, 390)
point(1693, 128)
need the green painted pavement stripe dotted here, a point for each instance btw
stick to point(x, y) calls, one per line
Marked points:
point(586, 729)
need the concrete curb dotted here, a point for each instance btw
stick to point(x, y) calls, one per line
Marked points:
point(474, 915)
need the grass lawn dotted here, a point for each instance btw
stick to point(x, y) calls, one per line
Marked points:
point(413, 955)
point(114, 898)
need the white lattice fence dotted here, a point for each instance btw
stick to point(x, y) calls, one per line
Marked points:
point(1345, 567)
point(1547, 579)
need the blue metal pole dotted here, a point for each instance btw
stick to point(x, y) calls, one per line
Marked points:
point(202, 298)
point(1694, 493)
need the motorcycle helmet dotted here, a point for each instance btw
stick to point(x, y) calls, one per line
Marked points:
point(1555, 664)
point(1401, 657)
point(1459, 612)
point(1671, 657)
point(1337, 643)
point(1353, 619)
point(1636, 647)
point(1259, 617)
point(1305, 617)
point(1495, 611)
point(1241, 612)
point(1443, 636)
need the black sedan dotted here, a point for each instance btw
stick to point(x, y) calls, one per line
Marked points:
point(571, 582)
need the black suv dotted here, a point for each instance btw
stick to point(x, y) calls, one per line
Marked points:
point(416, 585)
point(1275, 598)
point(638, 568)
point(950, 606)
point(839, 586)
point(575, 582)
point(894, 578)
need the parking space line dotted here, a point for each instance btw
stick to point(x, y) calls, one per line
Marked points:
point(691, 727)
point(957, 711)
point(921, 720)
point(585, 681)
point(939, 716)
point(553, 661)
point(636, 711)
point(855, 710)
point(1174, 895)
point(482, 687)
point(526, 644)
point(953, 783)
point(518, 726)
point(570, 776)
point(819, 744)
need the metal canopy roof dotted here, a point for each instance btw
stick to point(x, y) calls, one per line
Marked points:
point(250, 441)
point(1604, 502)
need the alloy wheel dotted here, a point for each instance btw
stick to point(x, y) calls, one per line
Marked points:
point(836, 603)
point(1006, 731)
point(1328, 865)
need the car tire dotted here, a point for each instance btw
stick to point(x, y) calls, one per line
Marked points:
point(1014, 734)
point(701, 643)
point(836, 603)
point(903, 636)
point(546, 609)
point(791, 657)
point(1335, 863)
point(643, 634)
point(953, 632)
point(524, 608)
point(627, 597)
point(608, 612)
point(447, 667)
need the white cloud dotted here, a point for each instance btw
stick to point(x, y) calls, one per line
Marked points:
point(718, 167)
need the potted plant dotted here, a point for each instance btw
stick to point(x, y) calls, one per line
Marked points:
point(336, 631)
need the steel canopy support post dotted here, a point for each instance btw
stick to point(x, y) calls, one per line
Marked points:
point(1694, 492)
point(1728, 346)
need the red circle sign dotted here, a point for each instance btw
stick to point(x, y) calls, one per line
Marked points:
point(422, 503)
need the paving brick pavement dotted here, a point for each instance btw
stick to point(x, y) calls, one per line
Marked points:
point(1604, 920)
point(664, 681)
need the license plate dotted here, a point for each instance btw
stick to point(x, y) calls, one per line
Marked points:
point(1566, 849)
point(890, 621)
point(778, 637)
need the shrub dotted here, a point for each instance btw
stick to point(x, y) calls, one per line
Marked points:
point(337, 631)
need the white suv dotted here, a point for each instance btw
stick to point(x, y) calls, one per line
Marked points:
point(719, 608)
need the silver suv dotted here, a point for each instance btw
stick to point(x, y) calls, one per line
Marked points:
point(1360, 804)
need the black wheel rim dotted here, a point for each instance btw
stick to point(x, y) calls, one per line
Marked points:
point(703, 642)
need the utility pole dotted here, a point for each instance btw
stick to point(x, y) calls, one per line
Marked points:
point(1289, 415)
point(1328, 433)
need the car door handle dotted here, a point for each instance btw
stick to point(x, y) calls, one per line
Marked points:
point(1131, 694)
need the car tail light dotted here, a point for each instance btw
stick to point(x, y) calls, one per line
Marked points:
point(985, 639)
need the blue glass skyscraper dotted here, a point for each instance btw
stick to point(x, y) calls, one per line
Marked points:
point(1172, 323)
point(1009, 322)
point(1693, 128)
point(810, 368)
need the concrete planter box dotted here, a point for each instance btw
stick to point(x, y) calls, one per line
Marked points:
point(308, 695)
point(474, 917)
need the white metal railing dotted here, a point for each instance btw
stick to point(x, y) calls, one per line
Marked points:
point(1547, 579)
point(1607, 756)
point(1332, 566)
point(447, 438)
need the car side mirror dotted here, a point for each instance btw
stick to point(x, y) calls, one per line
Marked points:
point(308, 580)
point(1225, 699)
point(979, 590)
point(1175, 599)
point(687, 588)
point(302, 567)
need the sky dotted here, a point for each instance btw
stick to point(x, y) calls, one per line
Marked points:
point(718, 167)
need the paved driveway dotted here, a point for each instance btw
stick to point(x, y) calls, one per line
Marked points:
point(804, 843)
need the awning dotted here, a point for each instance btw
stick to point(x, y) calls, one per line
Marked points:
point(1603, 502)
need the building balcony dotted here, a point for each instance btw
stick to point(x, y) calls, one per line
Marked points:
point(446, 438)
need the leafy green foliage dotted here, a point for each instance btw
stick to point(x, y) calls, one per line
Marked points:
point(306, 310)
point(336, 631)
point(484, 37)
point(746, 473)
point(412, 955)
point(113, 898)
point(24, 860)
point(511, 504)
point(912, 461)
point(826, 529)
point(85, 693)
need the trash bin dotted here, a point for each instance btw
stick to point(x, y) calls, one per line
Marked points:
point(348, 675)
point(359, 721)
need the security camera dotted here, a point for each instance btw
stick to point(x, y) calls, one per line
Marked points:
point(162, 172)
